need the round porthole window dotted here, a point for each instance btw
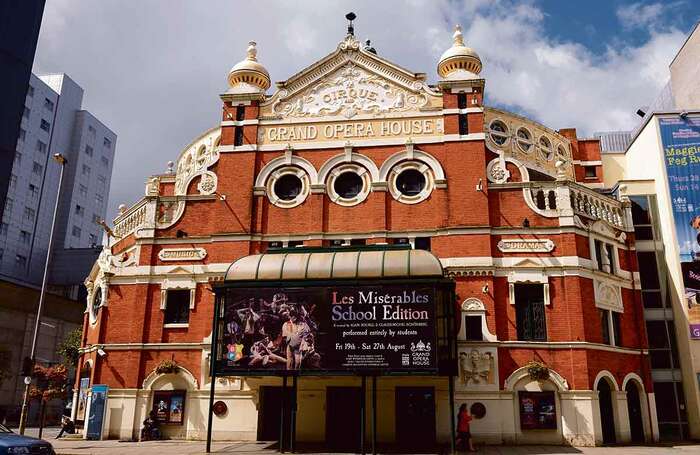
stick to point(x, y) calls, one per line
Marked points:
point(524, 140)
point(348, 184)
point(498, 131)
point(546, 149)
point(96, 303)
point(562, 153)
point(288, 186)
point(411, 182)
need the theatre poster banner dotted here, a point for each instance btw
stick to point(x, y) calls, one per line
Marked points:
point(335, 328)
point(681, 143)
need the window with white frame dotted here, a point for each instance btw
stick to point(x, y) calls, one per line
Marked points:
point(474, 327)
point(177, 307)
point(610, 327)
point(176, 301)
point(604, 256)
point(531, 320)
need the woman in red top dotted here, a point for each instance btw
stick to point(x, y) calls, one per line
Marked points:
point(464, 436)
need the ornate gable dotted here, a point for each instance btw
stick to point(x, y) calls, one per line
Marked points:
point(349, 82)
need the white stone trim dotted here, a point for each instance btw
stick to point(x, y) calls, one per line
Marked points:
point(344, 158)
point(280, 172)
point(466, 110)
point(424, 169)
point(284, 161)
point(412, 154)
point(588, 163)
point(516, 277)
point(349, 168)
point(608, 296)
point(187, 374)
point(521, 373)
point(474, 306)
point(174, 282)
point(182, 254)
point(240, 122)
point(605, 374)
point(525, 245)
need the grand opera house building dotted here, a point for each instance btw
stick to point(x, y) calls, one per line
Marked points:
point(354, 254)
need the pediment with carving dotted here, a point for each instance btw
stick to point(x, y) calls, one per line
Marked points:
point(348, 83)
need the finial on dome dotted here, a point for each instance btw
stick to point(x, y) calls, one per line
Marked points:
point(457, 36)
point(459, 62)
point(252, 51)
point(249, 75)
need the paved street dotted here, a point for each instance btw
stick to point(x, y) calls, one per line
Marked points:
point(80, 447)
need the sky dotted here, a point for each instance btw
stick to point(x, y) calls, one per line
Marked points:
point(153, 70)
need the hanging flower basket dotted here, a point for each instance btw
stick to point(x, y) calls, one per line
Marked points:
point(538, 371)
point(167, 367)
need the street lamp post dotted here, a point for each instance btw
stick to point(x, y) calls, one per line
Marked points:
point(28, 380)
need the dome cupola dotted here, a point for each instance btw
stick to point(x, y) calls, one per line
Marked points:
point(249, 75)
point(459, 61)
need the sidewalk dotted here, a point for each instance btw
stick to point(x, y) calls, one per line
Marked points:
point(81, 447)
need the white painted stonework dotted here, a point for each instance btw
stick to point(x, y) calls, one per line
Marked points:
point(182, 254)
point(525, 246)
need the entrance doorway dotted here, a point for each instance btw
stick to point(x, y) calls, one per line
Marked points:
point(415, 417)
point(607, 419)
point(270, 413)
point(634, 409)
point(343, 418)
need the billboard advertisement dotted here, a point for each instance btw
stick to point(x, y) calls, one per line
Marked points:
point(335, 328)
point(681, 143)
point(98, 401)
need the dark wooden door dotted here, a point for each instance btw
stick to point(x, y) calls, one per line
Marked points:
point(607, 418)
point(270, 413)
point(634, 409)
point(415, 418)
point(343, 418)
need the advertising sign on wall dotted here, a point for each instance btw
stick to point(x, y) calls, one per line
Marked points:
point(98, 400)
point(328, 328)
point(537, 410)
point(681, 142)
point(82, 398)
point(169, 406)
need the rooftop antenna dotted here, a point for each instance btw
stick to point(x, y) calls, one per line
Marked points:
point(351, 17)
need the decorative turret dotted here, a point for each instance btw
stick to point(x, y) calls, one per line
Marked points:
point(459, 62)
point(249, 76)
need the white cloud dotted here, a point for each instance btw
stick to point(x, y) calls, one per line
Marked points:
point(637, 15)
point(153, 73)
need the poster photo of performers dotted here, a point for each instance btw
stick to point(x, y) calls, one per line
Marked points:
point(271, 330)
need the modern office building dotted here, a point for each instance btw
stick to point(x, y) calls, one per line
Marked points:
point(53, 121)
point(19, 31)
point(656, 168)
point(352, 257)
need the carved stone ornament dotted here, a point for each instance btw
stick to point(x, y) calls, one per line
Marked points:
point(350, 91)
point(496, 171)
point(608, 296)
point(182, 254)
point(477, 367)
point(207, 183)
point(525, 246)
point(168, 213)
point(153, 186)
point(473, 304)
point(196, 159)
